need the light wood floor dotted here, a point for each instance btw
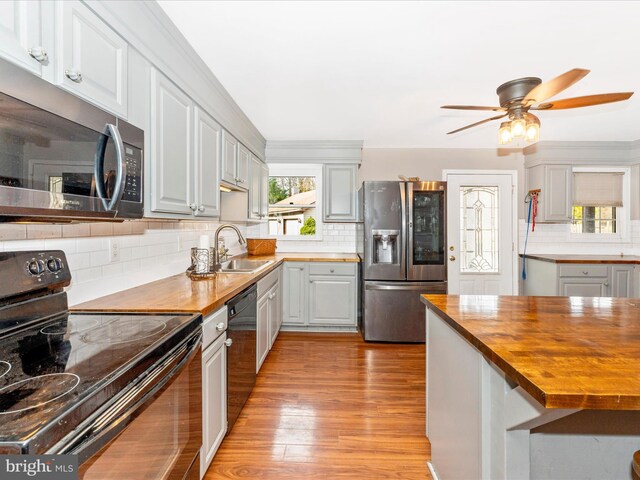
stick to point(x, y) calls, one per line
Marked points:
point(331, 406)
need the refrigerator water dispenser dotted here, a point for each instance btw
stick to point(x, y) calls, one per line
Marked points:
point(385, 246)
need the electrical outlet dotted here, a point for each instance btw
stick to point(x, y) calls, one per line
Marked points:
point(114, 250)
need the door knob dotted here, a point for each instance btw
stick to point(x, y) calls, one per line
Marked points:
point(228, 342)
point(220, 327)
point(452, 258)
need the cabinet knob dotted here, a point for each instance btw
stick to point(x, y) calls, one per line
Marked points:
point(201, 208)
point(73, 75)
point(606, 284)
point(585, 272)
point(228, 342)
point(193, 206)
point(39, 53)
point(220, 327)
point(332, 270)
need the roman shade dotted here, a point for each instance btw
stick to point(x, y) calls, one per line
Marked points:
point(597, 189)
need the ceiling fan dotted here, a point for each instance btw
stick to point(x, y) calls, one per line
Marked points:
point(518, 97)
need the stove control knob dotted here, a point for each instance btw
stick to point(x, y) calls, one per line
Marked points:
point(54, 265)
point(35, 267)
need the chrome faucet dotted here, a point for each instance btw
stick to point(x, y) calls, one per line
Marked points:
point(216, 252)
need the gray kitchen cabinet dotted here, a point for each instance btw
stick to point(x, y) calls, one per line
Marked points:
point(555, 198)
point(208, 134)
point(235, 162)
point(171, 141)
point(269, 315)
point(579, 279)
point(622, 281)
point(320, 294)
point(332, 300)
point(185, 153)
point(584, 287)
point(259, 190)
point(294, 293)
point(21, 34)
point(262, 331)
point(340, 193)
point(214, 386)
point(92, 60)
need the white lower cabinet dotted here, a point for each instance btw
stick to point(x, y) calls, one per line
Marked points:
point(269, 315)
point(262, 333)
point(214, 386)
point(320, 294)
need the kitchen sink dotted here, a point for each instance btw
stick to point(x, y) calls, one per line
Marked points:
point(244, 265)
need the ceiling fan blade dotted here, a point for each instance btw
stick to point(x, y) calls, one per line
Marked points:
point(472, 107)
point(585, 101)
point(478, 123)
point(554, 86)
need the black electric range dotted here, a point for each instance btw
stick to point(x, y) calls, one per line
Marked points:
point(58, 368)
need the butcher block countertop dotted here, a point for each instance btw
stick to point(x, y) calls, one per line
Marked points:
point(616, 259)
point(566, 352)
point(179, 293)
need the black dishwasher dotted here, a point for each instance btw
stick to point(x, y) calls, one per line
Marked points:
point(241, 355)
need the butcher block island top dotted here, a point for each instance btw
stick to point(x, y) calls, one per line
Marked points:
point(566, 352)
point(179, 293)
point(604, 259)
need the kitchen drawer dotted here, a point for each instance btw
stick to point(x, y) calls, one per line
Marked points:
point(332, 269)
point(213, 325)
point(265, 284)
point(584, 270)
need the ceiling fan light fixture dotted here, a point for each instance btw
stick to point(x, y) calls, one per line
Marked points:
point(504, 133)
point(532, 133)
point(518, 127)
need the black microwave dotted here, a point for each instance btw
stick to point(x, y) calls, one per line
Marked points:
point(63, 159)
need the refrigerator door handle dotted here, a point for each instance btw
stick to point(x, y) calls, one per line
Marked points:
point(400, 286)
point(404, 243)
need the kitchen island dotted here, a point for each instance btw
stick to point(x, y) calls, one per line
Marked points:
point(532, 387)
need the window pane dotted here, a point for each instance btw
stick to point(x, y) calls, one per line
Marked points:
point(601, 220)
point(292, 202)
point(479, 229)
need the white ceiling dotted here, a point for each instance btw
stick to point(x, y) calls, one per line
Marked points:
point(379, 71)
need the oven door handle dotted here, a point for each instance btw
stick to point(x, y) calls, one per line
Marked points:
point(100, 430)
point(110, 131)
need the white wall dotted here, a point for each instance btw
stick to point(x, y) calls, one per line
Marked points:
point(428, 163)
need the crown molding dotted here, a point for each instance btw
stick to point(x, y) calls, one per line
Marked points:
point(314, 151)
point(582, 153)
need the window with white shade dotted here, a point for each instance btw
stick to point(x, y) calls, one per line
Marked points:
point(599, 200)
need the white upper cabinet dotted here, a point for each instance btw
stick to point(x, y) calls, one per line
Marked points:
point(171, 155)
point(185, 153)
point(235, 162)
point(229, 158)
point(555, 198)
point(242, 170)
point(340, 193)
point(259, 190)
point(207, 158)
point(21, 34)
point(92, 58)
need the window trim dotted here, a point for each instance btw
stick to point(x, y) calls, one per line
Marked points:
point(623, 214)
point(301, 170)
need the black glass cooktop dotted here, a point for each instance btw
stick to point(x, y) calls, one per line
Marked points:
point(55, 374)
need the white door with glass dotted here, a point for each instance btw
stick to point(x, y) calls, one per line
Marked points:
point(481, 237)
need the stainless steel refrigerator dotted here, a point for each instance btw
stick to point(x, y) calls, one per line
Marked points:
point(402, 243)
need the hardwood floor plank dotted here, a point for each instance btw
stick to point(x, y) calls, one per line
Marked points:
point(331, 406)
